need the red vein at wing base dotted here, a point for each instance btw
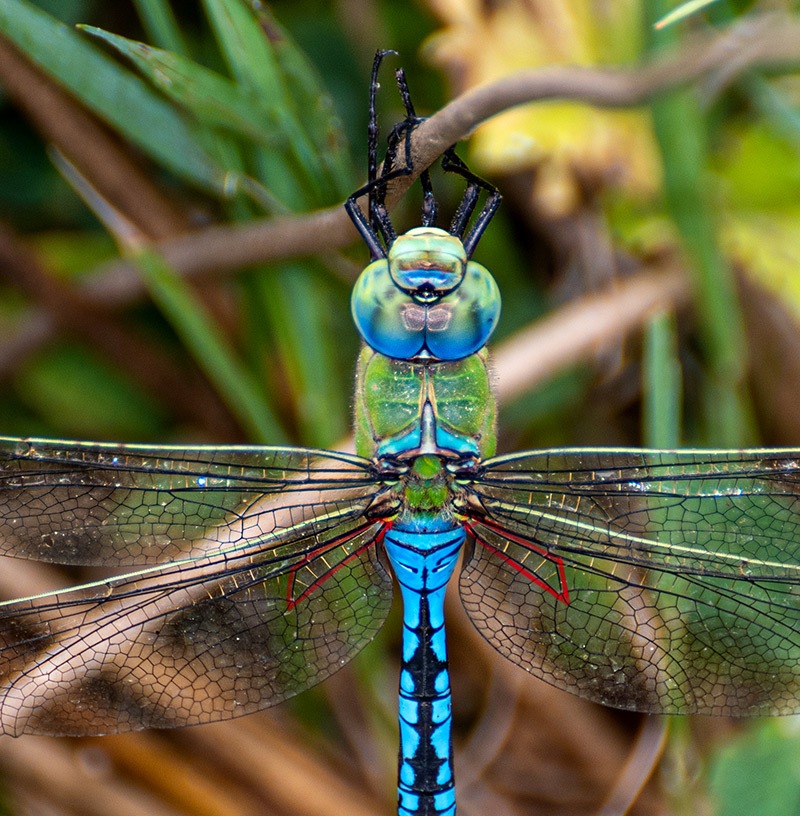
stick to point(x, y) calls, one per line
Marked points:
point(291, 603)
point(563, 592)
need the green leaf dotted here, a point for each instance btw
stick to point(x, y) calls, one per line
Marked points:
point(246, 50)
point(300, 316)
point(680, 129)
point(253, 62)
point(313, 106)
point(661, 386)
point(212, 98)
point(123, 100)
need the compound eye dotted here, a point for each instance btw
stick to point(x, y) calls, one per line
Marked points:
point(404, 326)
point(462, 322)
point(387, 318)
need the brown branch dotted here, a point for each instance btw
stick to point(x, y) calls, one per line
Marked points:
point(583, 328)
point(762, 41)
point(228, 247)
point(769, 40)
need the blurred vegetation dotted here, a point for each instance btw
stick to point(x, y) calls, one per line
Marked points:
point(235, 113)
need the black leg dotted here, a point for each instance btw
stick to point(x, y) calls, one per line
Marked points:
point(451, 163)
point(376, 226)
point(370, 226)
point(374, 131)
point(429, 205)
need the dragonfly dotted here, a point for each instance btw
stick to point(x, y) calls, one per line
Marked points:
point(657, 581)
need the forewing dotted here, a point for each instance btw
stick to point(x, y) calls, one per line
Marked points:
point(273, 585)
point(102, 504)
point(665, 582)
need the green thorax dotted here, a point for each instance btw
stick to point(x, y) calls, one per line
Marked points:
point(406, 408)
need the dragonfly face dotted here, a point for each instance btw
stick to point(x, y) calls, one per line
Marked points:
point(425, 300)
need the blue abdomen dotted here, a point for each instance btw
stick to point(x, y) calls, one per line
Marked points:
point(423, 562)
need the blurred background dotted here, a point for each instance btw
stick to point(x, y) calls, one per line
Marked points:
point(649, 260)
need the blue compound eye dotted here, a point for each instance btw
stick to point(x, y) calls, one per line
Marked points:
point(381, 314)
point(461, 323)
point(426, 300)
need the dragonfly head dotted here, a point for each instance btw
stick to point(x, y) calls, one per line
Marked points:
point(426, 299)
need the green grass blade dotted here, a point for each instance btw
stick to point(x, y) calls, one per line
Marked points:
point(313, 106)
point(661, 393)
point(245, 49)
point(212, 98)
point(252, 61)
point(221, 107)
point(123, 100)
point(300, 317)
point(210, 349)
point(680, 132)
point(160, 24)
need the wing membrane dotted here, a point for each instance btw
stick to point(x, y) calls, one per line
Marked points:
point(681, 574)
point(259, 578)
point(92, 504)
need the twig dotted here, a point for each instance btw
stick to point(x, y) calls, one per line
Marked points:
point(584, 327)
point(769, 40)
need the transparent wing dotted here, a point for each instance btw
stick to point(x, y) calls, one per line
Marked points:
point(259, 578)
point(103, 504)
point(656, 581)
